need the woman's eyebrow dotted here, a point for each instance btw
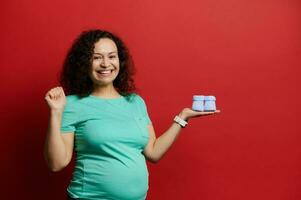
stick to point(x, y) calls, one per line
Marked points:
point(108, 53)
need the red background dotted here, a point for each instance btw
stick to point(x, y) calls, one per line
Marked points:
point(246, 53)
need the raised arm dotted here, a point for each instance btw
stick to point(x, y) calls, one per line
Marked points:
point(58, 147)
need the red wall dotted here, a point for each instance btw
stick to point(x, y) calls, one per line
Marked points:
point(246, 53)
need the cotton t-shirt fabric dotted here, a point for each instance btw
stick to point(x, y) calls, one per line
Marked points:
point(110, 135)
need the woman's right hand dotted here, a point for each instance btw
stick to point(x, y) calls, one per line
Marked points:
point(56, 99)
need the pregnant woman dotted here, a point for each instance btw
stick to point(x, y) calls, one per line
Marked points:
point(104, 121)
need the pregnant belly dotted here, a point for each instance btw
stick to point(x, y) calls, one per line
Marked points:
point(112, 179)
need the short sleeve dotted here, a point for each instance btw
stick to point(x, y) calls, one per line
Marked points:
point(69, 117)
point(143, 109)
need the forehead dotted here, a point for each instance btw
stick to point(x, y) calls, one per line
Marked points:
point(104, 46)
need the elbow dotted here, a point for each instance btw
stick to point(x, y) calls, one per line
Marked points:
point(154, 160)
point(152, 156)
point(54, 167)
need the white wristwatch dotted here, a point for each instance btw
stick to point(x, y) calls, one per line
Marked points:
point(180, 121)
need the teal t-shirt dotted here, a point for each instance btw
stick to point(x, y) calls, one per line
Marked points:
point(110, 135)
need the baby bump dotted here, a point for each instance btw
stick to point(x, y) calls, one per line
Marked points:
point(117, 180)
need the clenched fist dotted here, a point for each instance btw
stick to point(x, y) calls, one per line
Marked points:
point(56, 99)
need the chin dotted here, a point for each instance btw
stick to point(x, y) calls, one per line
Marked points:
point(103, 82)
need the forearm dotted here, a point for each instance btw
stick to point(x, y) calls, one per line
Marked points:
point(165, 141)
point(54, 149)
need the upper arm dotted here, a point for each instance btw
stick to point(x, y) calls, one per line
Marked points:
point(68, 139)
point(149, 147)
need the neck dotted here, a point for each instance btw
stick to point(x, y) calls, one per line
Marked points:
point(107, 91)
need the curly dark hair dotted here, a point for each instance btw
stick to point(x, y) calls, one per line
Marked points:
point(74, 76)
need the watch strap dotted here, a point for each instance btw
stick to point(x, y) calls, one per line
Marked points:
point(180, 121)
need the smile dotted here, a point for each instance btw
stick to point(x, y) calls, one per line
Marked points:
point(105, 72)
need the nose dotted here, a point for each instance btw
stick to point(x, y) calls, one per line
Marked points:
point(105, 62)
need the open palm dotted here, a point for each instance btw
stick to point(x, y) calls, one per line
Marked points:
point(189, 113)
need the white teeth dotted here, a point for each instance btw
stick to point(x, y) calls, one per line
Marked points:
point(104, 71)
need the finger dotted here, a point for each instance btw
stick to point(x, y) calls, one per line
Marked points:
point(47, 94)
point(204, 113)
point(57, 92)
point(200, 115)
point(53, 93)
point(63, 91)
point(46, 97)
point(207, 113)
point(50, 93)
point(211, 112)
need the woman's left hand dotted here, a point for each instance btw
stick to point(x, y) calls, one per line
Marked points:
point(188, 113)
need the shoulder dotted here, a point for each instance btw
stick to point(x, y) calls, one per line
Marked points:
point(72, 101)
point(136, 98)
point(72, 98)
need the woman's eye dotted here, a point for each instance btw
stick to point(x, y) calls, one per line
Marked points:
point(112, 56)
point(96, 58)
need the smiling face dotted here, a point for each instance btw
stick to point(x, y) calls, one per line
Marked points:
point(105, 62)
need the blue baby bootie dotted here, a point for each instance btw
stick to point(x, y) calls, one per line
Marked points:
point(198, 102)
point(209, 104)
